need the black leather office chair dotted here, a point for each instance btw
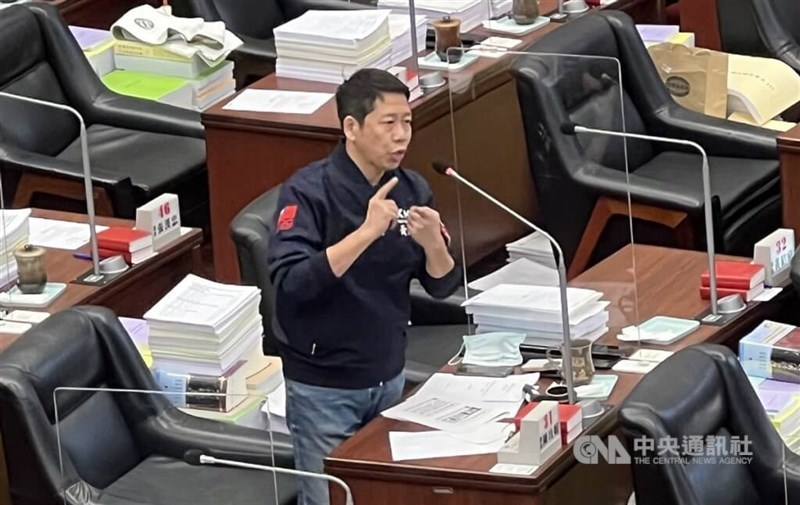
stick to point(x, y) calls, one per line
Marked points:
point(703, 391)
point(769, 28)
point(117, 448)
point(437, 326)
point(253, 22)
point(138, 148)
point(581, 181)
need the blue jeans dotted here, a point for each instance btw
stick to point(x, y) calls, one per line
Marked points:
point(321, 418)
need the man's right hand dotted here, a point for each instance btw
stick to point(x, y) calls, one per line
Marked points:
point(381, 212)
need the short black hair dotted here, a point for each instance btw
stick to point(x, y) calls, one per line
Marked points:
point(357, 95)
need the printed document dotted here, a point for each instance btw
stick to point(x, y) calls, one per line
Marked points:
point(279, 102)
point(446, 415)
point(474, 388)
point(56, 234)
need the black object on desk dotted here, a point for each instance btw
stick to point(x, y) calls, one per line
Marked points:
point(604, 357)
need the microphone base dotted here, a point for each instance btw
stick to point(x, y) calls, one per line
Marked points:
point(90, 279)
point(721, 319)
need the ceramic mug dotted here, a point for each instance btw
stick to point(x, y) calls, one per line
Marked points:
point(582, 364)
point(448, 34)
point(31, 271)
point(525, 12)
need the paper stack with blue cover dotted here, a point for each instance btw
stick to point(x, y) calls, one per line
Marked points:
point(178, 61)
point(536, 312)
point(208, 331)
point(471, 12)
point(330, 46)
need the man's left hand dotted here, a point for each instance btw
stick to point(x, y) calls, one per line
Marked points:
point(425, 227)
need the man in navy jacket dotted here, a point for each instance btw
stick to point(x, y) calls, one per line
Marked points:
point(352, 232)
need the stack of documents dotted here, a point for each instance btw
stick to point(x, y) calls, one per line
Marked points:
point(152, 83)
point(399, 25)
point(330, 46)
point(13, 235)
point(180, 61)
point(535, 247)
point(466, 411)
point(536, 312)
point(204, 327)
point(471, 12)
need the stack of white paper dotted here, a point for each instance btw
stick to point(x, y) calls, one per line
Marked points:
point(536, 312)
point(471, 12)
point(500, 7)
point(534, 247)
point(399, 25)
point(14, 233)
point(329, 46)
point(204, 327)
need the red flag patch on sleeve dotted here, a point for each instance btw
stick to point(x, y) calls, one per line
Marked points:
point(286, 217)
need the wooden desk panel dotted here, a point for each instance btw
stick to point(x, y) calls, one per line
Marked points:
point(667, 283)
point(700, 17)
point(789, 150)
point(249, 153)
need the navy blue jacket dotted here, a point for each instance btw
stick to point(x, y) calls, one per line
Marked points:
point(347, 332)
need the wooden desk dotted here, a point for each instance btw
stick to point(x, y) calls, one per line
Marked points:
point(97, 13)
point(249, 153)
point(789, 149)
point(667, 283)
point(132, 293)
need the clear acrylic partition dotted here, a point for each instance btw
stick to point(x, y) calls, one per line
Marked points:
point(194, 456)
point(489, 128)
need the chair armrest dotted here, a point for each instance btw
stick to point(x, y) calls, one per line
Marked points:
point(295, 8)
point(426, 310)
point(138, 114)
point(719, 137)
point(606, 181)
point(172, 433)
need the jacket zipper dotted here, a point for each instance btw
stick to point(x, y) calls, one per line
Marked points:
point(313, 348)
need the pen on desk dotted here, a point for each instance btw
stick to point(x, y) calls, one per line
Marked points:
point(82, 255)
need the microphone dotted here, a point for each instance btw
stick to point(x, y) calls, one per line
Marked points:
point(198, 457)
point(572, 129)
point(446, 169)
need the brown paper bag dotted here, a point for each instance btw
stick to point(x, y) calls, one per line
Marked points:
point(696, 78)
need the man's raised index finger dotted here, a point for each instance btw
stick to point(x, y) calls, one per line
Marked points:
point(384, 190)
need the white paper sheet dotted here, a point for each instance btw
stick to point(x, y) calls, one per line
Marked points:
point(445, 414)
point(56, 234)
point(473, 388)
point(276, 101)
point(522, 271)
point(438, 444)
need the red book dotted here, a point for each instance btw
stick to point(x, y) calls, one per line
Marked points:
point(747, 294)
point(736, 275)
point(117, 238)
